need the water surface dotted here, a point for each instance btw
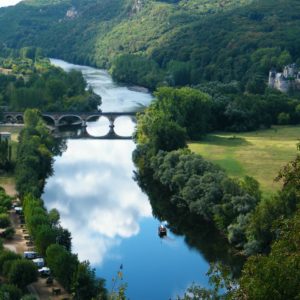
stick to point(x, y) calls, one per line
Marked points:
point(108, 215)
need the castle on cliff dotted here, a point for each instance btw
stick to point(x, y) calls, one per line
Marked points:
point(289, 79)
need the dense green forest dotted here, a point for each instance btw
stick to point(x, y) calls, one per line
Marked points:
point(162, 42)
point(28, 80)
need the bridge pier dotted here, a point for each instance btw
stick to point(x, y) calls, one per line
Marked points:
point(56, 122)
point(111, 120)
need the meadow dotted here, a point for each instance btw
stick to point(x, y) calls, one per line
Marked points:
point(259, 154)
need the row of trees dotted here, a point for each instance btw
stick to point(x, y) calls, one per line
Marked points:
point(35, 157)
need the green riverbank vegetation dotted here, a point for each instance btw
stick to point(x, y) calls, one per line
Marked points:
point(28, 80)
point(184, 186)
point(36, 149)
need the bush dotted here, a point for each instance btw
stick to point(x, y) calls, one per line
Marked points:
point(22, 272)
point(4, 221)
point(13, 292)
point(9, 233)
point(6, 256)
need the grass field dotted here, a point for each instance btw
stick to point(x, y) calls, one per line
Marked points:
point(259, 154)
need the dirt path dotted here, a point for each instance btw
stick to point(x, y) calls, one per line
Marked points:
point(40, 289)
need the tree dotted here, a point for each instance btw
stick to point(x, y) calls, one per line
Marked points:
point(13, 292)
point(45, 236)
point(32, 117)
point(56, 88)
point(277, 275)
point(5, 256)
point(283, 118)
point(22, 272)
point(168, 136)
point(62, 263)
point(63, 237)
point(54, 217)
point(86, 286)
point(4, 220)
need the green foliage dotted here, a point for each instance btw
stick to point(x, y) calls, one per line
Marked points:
point(13, 292)
point(35, 83)
point(234, 111)
point(4, 220)
point(34, 155)
point(86, 285)
point(184, 42)
point(28, 297)
point(205, 191)
point(277, 275)
point(62, 263)
point(5, 155)
point(5, 200)
point(44, 237)
point(146, 72)
point(9, 233)
point(21, 273)
point(6, 255)
point(174, 113)
point(54, 217)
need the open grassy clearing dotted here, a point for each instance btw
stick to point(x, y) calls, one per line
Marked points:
point(259, 154)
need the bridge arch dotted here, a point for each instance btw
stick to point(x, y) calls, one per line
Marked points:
point(9, 119)
point(92, 118)
point(19, 119)
point(70, 119)
point(50, 120)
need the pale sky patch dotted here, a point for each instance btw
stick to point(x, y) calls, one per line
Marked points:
point(4, 3)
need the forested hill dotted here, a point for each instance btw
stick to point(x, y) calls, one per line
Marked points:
point(151, 42)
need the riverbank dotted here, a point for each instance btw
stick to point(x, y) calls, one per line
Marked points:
point(18, 244)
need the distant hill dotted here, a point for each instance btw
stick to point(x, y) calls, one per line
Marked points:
point(151, 42)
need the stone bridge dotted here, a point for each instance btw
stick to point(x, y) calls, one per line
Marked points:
point(57, 119)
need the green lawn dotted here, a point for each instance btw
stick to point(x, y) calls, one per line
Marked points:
point(259, 154)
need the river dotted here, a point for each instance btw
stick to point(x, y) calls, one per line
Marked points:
point(109, 217)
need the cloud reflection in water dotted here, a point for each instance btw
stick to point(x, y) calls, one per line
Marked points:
point(97, 199)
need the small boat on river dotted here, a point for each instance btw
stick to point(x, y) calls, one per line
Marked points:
point(162, 231)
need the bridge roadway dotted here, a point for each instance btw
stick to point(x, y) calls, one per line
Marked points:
point(60, 119)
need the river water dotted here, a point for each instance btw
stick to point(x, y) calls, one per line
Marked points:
point(109, 217)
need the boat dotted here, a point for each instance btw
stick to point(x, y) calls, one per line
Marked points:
point(162, 231)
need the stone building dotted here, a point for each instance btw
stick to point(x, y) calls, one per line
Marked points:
point(287, 80)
